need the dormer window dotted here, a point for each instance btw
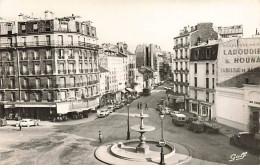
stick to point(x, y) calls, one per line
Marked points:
point(35, 27)
point(196, 54)
point(208, 53)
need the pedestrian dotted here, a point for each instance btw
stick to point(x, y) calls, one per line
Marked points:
point(20, 126)
point(141, 105)
point(100, 137)
point(138, 105)
point(146, 106)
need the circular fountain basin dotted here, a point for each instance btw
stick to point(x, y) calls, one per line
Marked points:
point(146, 128)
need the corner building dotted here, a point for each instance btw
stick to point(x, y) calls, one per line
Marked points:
point(187, 38)
point(49, 67)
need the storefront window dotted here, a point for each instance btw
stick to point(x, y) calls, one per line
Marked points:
point(204, 111)
point(194, 107)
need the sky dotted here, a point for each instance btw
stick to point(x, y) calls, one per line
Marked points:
point(143, 21)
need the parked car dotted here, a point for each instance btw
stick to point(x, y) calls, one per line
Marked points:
point(28, 122)
point(111, 109)
point(179, 119)
point(146, 92)
point(102, 113)
point(210, 127)
point(2, 122)
point(247, 140)
point(174, 113)
point(167, 110)
point(195, 126)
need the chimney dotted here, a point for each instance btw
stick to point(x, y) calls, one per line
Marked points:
point(49, 14)
point(20, 17)
point(256, 32)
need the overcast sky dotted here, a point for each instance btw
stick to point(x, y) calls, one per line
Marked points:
point(143, 21)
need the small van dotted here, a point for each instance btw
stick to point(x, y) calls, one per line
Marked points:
point(179, 119)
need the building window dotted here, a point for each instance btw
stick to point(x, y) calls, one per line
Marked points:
point(37, 69)
point(26, 96)
point(196, 54)
point(61, 54)
point(62, 82)
point(1, 82)
point(35, 27)
point(195, 94)
point(48, 26)
point(12, 84)
point(12, 98)
point(207, 83)
point(207, 96)
point(2, 96)
point(60, 40)
point(204, 111)
point(207, 53)
point(195, 68)
point(213, 69)
point(23, 28)
point(194, 107)
point(72, 82)
point(10, 42)
point(48, 40)
point(213, 98)
point(24, 41)
point(38, 83)
point(207, 68)
point(71, 40)
point(49, 68)
point(213, 83)
point(50, 96)
point(195, 81)
point(25, 83)
point(48, 54)
point(181, 54)
point(50, 83)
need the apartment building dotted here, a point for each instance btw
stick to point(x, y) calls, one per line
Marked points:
point(114, 60)
point(230, 31)
point(187, 38)
point(104, 86)
point(49, 67)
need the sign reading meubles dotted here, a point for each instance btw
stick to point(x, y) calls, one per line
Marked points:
point(238, 56)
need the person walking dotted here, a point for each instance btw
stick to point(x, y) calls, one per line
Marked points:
point(100, 136)
point(146, 106)
point(138, 105)
point(20, 126)
point(141, 105)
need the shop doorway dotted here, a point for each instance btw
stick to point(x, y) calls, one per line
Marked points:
point(254, 123)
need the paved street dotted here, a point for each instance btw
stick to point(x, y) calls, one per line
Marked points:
point(75, 143)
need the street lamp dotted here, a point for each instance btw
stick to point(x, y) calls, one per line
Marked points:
point(162, 142)
point(128, 130)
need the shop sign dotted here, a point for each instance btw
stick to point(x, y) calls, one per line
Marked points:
point(238, 56)
point(180, 99)
point(254, 102)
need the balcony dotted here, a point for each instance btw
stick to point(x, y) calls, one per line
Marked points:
point(47, 43)
point(24, 72)
point(36, 72)
point(48, 72)
point(61, 57)
point(92, 82)
point(71, 57)
point(61, 71)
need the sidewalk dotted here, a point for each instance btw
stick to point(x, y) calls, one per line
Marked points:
point(91, 117)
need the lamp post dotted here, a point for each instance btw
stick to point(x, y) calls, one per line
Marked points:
point(128, 130)
point(162, 141)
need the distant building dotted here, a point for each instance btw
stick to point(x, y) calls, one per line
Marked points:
point(230, 31)
point(238, 84)
point(114, 59)
point(104, 86)
point(187, 38)
point(48, 67)
point(147, 56)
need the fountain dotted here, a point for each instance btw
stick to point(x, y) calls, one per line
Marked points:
point(138, 151)
point(142, 147)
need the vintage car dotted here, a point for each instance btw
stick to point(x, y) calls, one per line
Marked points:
point(111, 108)
point(247, 140)
point(28, 122)
point(195, 126)
point(179, 119)
point(210, 127)
point(174, 112)
point(102, 113)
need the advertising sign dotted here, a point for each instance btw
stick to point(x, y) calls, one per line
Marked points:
point(238, 56)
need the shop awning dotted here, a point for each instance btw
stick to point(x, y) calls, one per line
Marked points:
point(9, 106)
point(129, 90)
